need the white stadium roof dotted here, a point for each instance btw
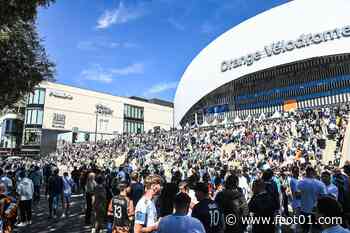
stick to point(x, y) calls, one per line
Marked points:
point(288, 22)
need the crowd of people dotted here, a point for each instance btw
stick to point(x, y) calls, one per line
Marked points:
point(198, 180)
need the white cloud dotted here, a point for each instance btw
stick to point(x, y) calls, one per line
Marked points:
point(160, 87)
point(96, 73)
point(136, 68)
point(119, 15)
point(99, 74)
point(96, 45)
point(176, 24)
point(86, 45)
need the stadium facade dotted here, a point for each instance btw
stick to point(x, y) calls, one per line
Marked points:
point(294, 56)
point(55, 113)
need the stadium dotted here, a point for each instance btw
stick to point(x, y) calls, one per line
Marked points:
point(262, 67)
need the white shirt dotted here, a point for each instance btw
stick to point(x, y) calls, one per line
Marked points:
point(25, 189)
point(180, 223)
point(145, 212)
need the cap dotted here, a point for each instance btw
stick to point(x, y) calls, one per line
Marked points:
point(201, 187)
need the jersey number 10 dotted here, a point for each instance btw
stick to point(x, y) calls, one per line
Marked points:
point(214, 217)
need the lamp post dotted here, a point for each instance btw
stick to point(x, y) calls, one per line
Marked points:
point(98, 110)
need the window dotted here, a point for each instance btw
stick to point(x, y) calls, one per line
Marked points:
point(42, 97)
point(131, 126)
point(34, 117)
point(38, 97)
point(28, 116)
point(133, 112)
point(40, 118)
point(32, 137)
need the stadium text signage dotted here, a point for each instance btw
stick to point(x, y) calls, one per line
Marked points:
point(280, 47)
point(61, 95)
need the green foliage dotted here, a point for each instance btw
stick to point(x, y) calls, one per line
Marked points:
point(13, 10)
point(23, 60)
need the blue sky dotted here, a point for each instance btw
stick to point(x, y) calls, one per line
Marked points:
point(135, 47)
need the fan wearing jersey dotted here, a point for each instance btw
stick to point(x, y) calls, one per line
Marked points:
point(146, 219)
point(122, 210)
point(206, 210)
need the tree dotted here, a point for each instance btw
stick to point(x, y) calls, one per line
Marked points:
point(23, 60)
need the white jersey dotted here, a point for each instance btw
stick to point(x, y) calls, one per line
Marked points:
point(145, 213)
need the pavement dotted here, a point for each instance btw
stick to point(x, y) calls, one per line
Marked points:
point(74, 223)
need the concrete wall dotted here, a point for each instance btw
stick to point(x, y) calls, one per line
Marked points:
point(79, 105)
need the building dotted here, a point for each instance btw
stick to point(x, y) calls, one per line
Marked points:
point(293, 56)
point(56, 112)
point(11, 128)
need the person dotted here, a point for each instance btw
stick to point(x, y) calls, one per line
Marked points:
point(122, 210)
point(99, 202)
point(331, 189)
point(180, 221)
point(36, 177)
point(6, 181)
point(231, 201)
point(293, 191)
point(75, 174)
point(136, 187)
point(121, 176)
point(55, 191)
point(25, 191)
point(167, 197)
point(329, 208)
point(145, 211)
point(67, 191)
point(310, 190)
point(184, 188)
point(262, 204)
point(8, 210)
point(271, 187)
point(342, 181)
point(89, 194)
point(206, 210)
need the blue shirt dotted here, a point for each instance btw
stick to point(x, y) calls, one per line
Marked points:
point(336, 229)
point(310, 189)
point(332, 190)
point(180, 223)
point(293, 186)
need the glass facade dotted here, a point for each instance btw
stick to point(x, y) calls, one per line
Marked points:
point(133, 126)
point(269, 90)
point(133, 119)
point(33, 120)
point(32, 137)
point(34, 116)
point(11, 133)
point(133, 112)
point(36, 98)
